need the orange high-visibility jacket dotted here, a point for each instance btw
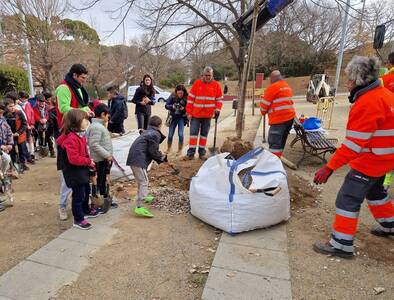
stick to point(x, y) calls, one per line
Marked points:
point(369, 143)
point(388, 80)
point(204, 98)
point(277, 101)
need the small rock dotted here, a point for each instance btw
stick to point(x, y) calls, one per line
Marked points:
point(211, 250)
point(204, 272)
point(379, 290)
point(231, 274)
point(325, 267)
point(192, 271)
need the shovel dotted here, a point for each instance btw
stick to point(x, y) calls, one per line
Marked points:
point(214, 150)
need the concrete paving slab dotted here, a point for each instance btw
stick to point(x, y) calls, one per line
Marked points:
point(251, 260)
point(65, 254)
point(273, 238)
point(108, 219)
point(99, 235)
point(228, 284)
point(5, 298)
point(31, 280)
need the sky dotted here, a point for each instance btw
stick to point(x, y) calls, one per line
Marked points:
point(100, 19)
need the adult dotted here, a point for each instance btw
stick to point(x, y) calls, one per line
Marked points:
point(203, 103)
point(388, 79)
point(368, 149)
point(117, 110)
point(71, 94)
point(176, 105)
point(277, 102)
point(144, 98)
point(25, 107)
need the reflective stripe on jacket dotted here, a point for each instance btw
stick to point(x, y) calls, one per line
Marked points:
point(388, 80)
point(277, 102)
point(369, 143)
point(204, 98)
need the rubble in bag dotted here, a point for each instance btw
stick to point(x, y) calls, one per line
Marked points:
point(172, 200)
point(246, 177)
point(236, 147)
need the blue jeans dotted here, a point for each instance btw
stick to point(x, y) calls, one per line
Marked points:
point(180, 122)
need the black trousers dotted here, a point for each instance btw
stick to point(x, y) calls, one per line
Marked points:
point(80, 202)
point(277, 136)
point(142, 120)
point(103, 169)
point(47, 141)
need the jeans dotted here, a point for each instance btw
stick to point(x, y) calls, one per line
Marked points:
point(64, 191)
point(180, 122)
point(80, 202)
point(198, 127)
point(142, 120)
point(23, 152)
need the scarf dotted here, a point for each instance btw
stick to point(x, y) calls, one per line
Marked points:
point(75, 85)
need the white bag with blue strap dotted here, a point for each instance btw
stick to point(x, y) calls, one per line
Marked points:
point(218, 197)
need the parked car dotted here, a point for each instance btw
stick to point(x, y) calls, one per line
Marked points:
point(161, 95)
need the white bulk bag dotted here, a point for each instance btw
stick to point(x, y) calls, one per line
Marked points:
point(121, 146)
point(218, 197)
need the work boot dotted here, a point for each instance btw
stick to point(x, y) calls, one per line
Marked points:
point(169, 145)
point(378, 231)
point(202, 157)
point(328, 249)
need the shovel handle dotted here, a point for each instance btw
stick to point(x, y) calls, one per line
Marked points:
point(269, 193)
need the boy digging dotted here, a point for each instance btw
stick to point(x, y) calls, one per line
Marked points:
point(100, 148)
point(145, 149)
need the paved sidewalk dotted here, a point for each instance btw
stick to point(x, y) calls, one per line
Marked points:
point(251, 265)
point(59, 262)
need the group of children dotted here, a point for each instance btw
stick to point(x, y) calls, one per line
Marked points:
point(85, 155)
point(26, 125)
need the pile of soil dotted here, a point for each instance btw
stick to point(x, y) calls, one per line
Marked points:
point(237, 147)
point(302, 193)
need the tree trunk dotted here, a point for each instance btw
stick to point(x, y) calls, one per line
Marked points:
point(241, 100)
point(49, 79)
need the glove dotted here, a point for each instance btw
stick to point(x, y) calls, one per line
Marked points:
point(217, 114)
point(322, 175)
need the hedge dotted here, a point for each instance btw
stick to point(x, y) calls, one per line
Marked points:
point(12, 79)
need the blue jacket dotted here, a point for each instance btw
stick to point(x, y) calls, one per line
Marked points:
point(179, 112)
point(117, 109)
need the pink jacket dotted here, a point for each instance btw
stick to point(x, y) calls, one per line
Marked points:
point(28, 112)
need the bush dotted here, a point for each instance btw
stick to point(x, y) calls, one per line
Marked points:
point(12, 79)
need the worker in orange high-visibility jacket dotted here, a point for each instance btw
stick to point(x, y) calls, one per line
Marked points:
point(203, 103)
point(388, 79)
point(369, 150)
point(277, 101)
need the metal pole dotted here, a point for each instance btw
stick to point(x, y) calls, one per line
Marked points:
point(1, 42)
point(254, 83)
point(342, 47)
point(27, 59)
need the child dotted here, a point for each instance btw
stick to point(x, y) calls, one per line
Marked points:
point(100, 147)
point(18, 125)
point(27, 110)
point(145, 149)
point(6, 145)
point(41, 116)
point(75, 162)
point(53, 130)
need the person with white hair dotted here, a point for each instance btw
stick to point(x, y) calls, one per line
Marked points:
point(203, 103)
point(369, 150)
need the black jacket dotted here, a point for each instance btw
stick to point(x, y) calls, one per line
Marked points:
point(178, 112)
point(117, 109)
point(53, 128)
point(137, 99)
point(146, 148)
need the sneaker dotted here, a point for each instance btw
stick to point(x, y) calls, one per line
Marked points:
point(328, 249)
point(63, 213)
point(2, 207)
point(107, 204)
point(31, 161)
point(92, 214)
point(85, 225)
point(149, 199)
point(378, 231)
point(53, 155)
point(114, 205)
point(143, 212)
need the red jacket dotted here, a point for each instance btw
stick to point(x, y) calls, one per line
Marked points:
point(369, 144)
point(204, 98)
point(37, 114)
point(388, 80)
point(277, 101)
point(76, 147)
